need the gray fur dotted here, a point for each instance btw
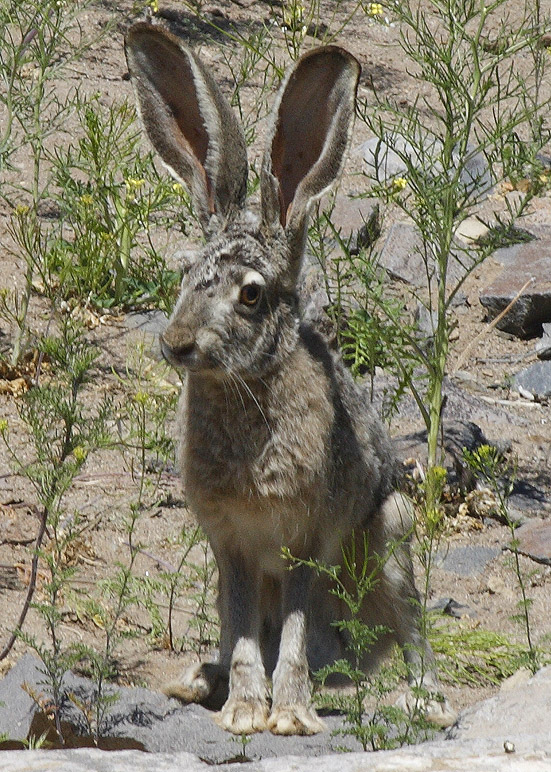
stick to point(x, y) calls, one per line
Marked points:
point(278, 447)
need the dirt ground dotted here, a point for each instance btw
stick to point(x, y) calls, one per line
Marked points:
point(103, 491)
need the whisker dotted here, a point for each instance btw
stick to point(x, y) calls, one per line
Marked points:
point(238, 378)
point(233, 384)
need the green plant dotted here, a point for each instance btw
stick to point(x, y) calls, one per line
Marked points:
point(295, 19)
point(490, 466)
point(101, 252)
point(36, 743)
point(243, 740)
point(117, 594)
point(143, 419)
point(253, 58)
point(188, 579)
point(62, 434)
point(428, 530)
point(388, 726)
point(478, 100)
point(370, 325)
point(204, 622)
point(472, 656)
point(39, 41)
point(323, 22)
point(110, 198)
point(45, 37)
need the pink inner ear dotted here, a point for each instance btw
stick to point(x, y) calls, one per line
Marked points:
point(178, 91)
point(305, 115)
point(179, 95)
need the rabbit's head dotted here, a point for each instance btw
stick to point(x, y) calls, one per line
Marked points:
point(238, 310)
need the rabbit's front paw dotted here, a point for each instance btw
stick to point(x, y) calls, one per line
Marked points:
point(243, 716)
point(295, 720)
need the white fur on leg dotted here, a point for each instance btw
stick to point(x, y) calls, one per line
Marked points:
point(292, 713)
point(246, 709)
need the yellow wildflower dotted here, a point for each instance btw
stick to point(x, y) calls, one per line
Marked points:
point(141, 397)
point(398, 184)
point(80, 454)
point(133, 184)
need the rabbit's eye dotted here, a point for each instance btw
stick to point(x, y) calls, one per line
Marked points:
point(249, 295)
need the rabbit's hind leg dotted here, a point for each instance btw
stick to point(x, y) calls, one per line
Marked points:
point(395, 604)
point(205, 683)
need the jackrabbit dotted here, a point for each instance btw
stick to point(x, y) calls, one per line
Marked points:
point(278, 447)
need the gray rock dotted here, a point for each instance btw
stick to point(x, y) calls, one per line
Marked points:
point(152, 322)
point(95, 760)
point(535, 379)
point(509, 255)
point(466, 561)
point(458, 434)
point(519, 716)
point(157, 723)
point(517, 720)
point(442, 758)
point(452, 608)
point(528, 499)
point(385, 160)
point(404, 258)
point(426, 320)
point(17, 708)
point(356, 220)
point(535, 540)
point(543, 345)
point(314, 300)
point(527, 262)
point(471, 230)
point(477, 176)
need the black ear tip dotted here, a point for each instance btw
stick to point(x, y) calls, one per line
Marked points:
point(135, 30)
point(335, 53)
point(146, 31)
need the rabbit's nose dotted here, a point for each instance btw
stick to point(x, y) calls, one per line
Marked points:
point(176, 353)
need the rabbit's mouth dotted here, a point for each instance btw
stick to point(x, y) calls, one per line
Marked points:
point(189, 356)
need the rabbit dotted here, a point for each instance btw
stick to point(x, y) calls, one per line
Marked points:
point(278, 447)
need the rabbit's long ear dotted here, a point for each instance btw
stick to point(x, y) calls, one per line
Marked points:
point(188, 120)
point(311, 126)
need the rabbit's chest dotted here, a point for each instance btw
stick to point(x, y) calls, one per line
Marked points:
point(254, 497)
point(249, 459)
point(256, 450)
